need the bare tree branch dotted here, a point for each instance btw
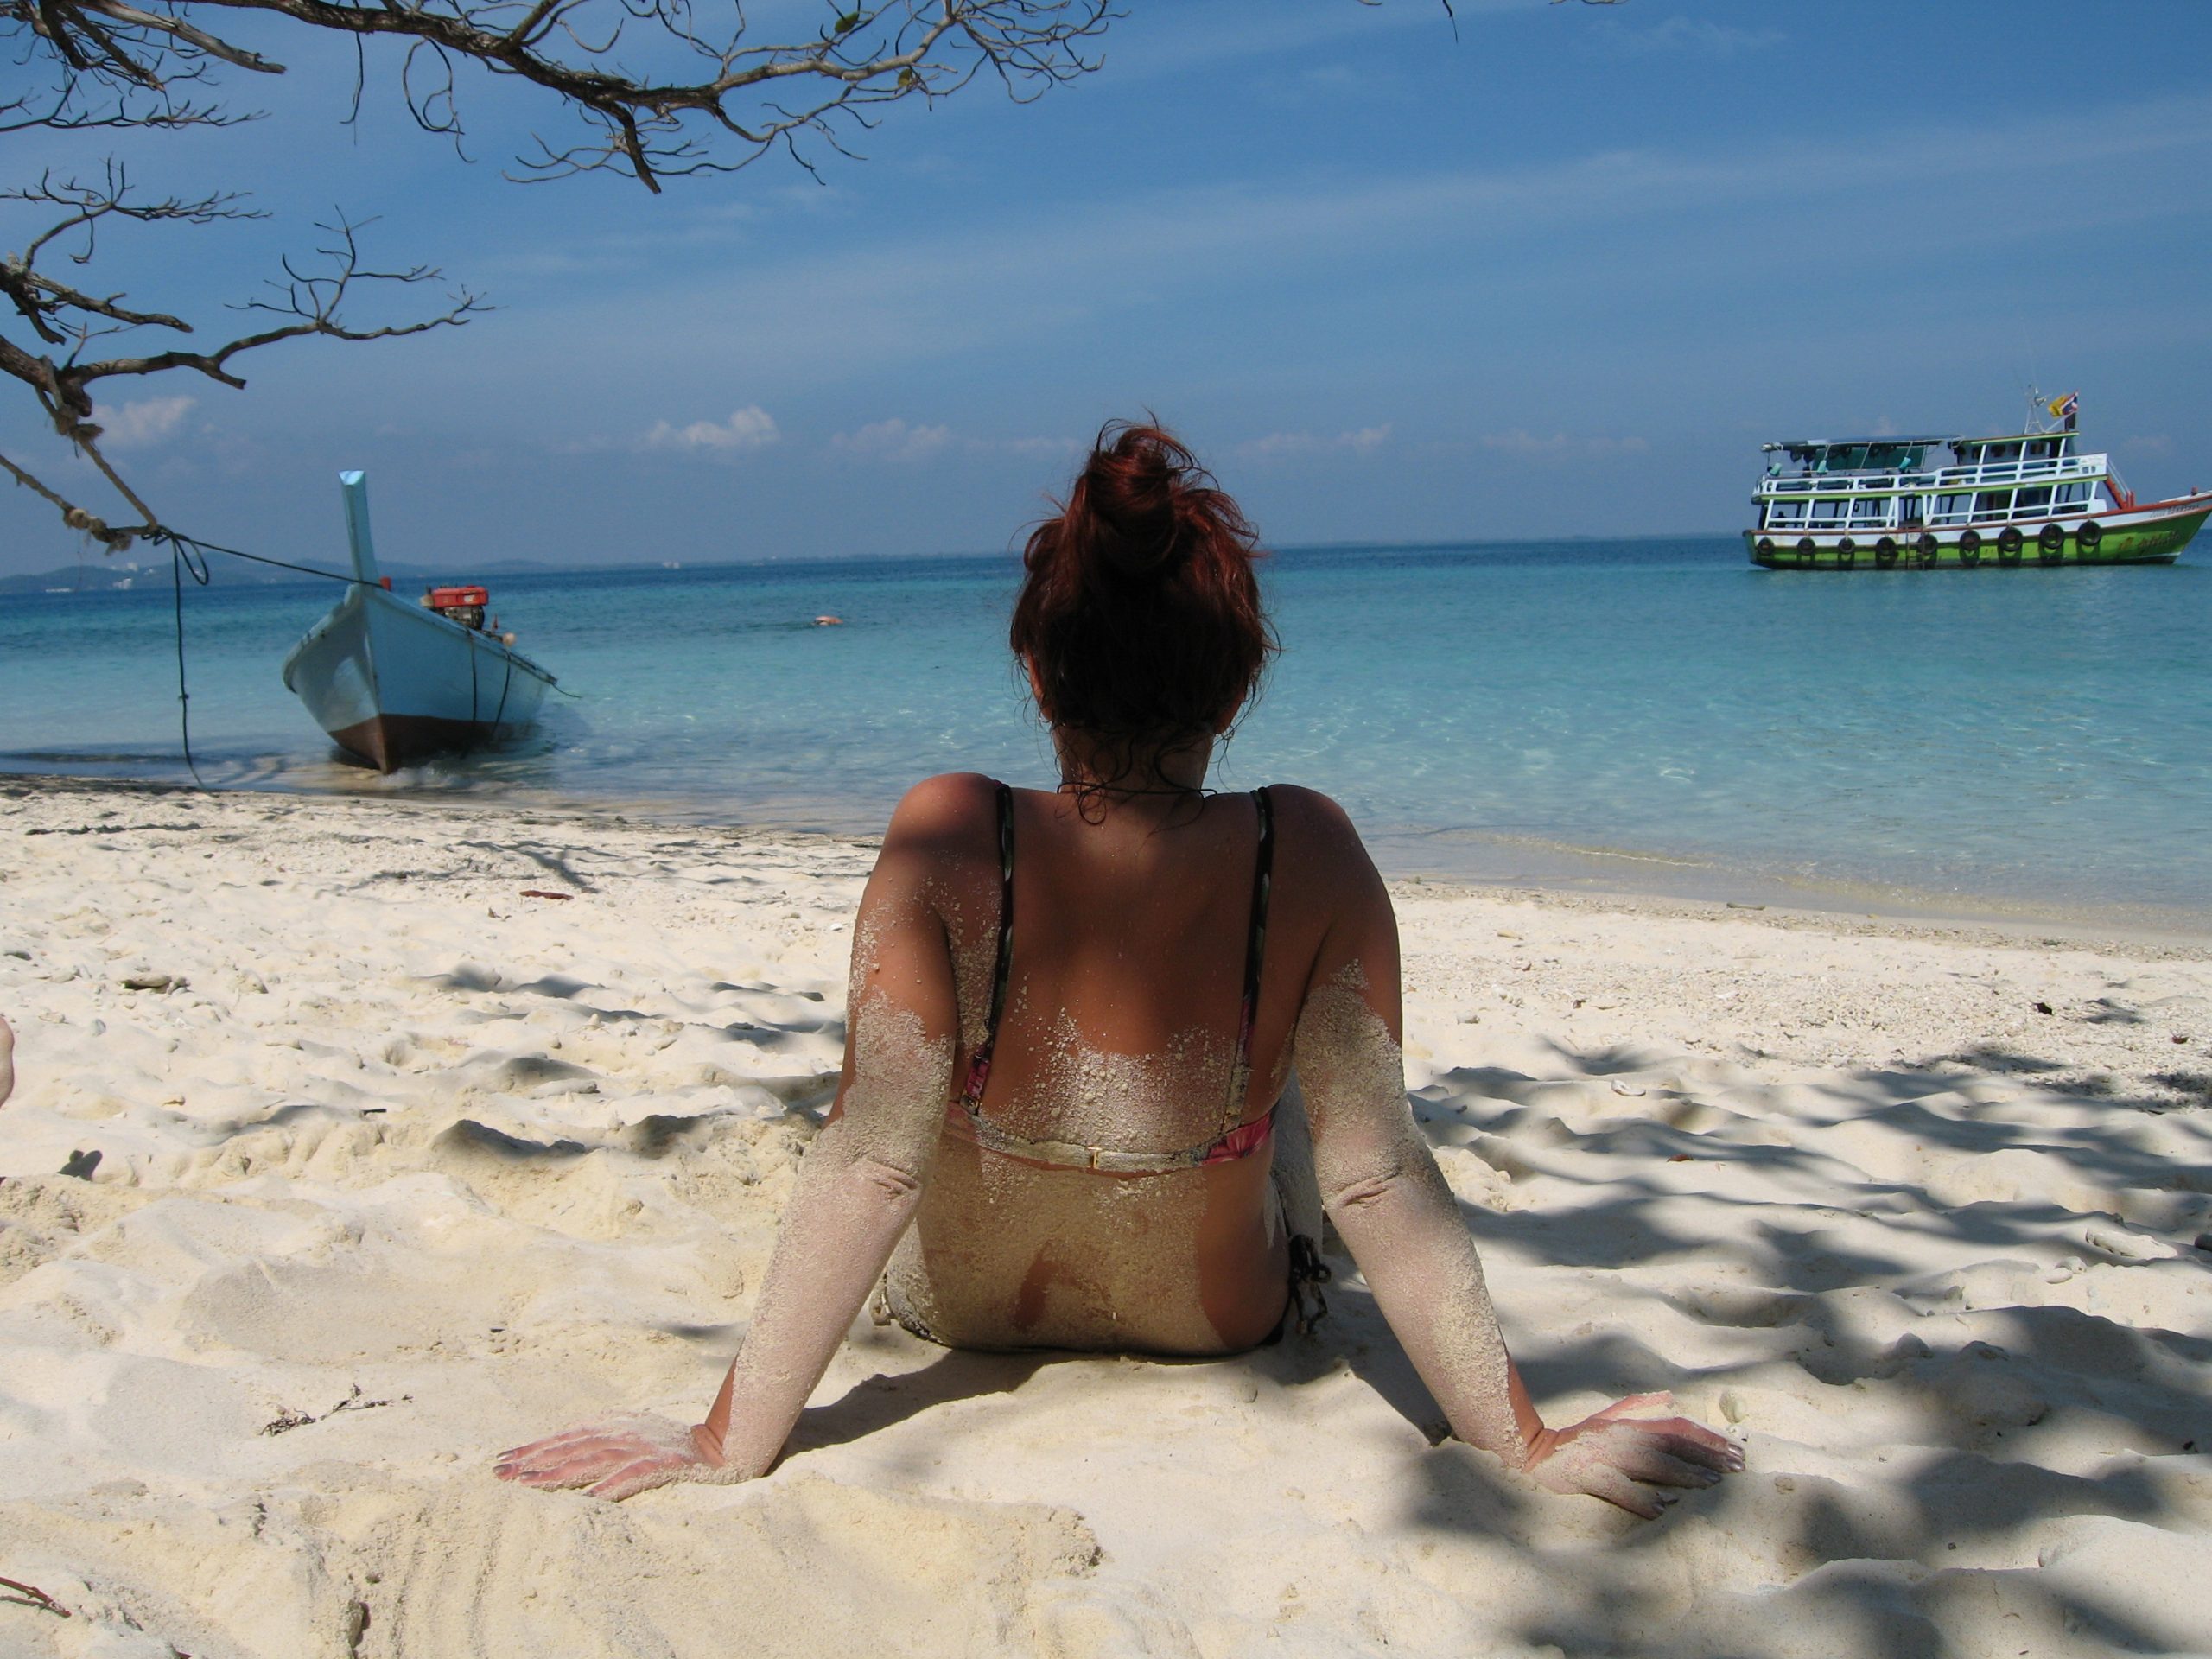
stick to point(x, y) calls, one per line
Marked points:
point(311, 298)
point(683, 98)
point(702, 102)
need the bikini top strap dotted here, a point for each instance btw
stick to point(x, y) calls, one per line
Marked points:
point(1255, 932)
point(998, 973)
point(979, 1063)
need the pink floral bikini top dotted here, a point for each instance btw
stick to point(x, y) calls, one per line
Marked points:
point(964, 1117)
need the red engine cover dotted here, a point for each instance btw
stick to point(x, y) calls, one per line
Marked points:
point(441, 598)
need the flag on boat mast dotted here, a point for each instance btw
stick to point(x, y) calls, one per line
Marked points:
point(2066, 408)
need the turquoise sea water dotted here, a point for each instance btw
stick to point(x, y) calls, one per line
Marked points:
point(2030, 738)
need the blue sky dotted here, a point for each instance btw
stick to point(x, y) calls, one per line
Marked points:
point(1557, 277)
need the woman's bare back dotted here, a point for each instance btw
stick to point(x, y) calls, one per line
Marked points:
point(1120, 1031)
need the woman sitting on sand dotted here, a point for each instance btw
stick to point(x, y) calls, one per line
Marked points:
point(1066, 1119)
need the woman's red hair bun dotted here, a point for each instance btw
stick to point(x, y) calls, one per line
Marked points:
point(1140, 615)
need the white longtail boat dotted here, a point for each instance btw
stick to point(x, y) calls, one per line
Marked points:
point(395, 683)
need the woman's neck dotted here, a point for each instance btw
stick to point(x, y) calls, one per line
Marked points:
point(1092, 768)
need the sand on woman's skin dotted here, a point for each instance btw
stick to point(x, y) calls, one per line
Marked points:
point(404, 1167)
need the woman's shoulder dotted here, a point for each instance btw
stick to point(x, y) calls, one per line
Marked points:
point(1319, 846)
point(952, 813)
point(1321, 819)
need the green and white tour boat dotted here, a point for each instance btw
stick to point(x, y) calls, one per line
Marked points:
point(2026, 498)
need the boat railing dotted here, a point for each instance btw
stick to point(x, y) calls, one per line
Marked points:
point(1953, 510)
point(1988, 476)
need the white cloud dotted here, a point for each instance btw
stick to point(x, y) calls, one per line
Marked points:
point(1529, 446)
point(893, 440)
point(144, 422)
point(1526, 444)
point(2155, 443)
point(1046, 449)
point(750, 428)
point(1697, 34)
point(1365, 440)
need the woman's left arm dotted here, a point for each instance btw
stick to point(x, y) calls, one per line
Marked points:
point(858, 1186)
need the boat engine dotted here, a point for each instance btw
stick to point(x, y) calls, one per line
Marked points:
point(461, 605)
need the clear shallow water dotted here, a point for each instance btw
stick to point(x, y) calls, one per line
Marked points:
point(2034, 738)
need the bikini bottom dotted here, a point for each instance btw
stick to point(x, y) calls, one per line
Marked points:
point(1297, 1208)
point(1303, 1305)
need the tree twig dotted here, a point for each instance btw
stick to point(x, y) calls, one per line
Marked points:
point(31, 1596)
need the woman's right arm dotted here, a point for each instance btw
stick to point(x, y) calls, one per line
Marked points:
point(1389, 1202)
point(858, 1186)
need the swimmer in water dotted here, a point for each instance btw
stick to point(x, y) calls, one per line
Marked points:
point(1115, 1047)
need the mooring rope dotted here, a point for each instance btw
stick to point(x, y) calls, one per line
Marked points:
point(188, 557)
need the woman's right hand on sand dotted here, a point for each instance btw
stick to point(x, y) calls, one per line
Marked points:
point(1630, 1461)
point(616, 1457)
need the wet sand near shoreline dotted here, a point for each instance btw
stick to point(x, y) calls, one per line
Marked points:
point(384, 1159)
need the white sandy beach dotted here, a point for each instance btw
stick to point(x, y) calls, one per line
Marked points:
point(404, 1167)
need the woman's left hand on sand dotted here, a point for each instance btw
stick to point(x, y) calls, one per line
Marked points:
point(1632, 1461)
point(615, 1458)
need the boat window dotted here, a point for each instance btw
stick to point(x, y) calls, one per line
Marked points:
point(1845, 458)
point(1952, 509)
point(2073, 495)
point(1992, 503)
point(2040, 450)
point(1786, 512)
point(1827, 512)
point(1894, 457)
point(2037, 497)
point(1873, 510)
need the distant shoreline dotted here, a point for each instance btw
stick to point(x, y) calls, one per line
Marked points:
point(133, 575)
